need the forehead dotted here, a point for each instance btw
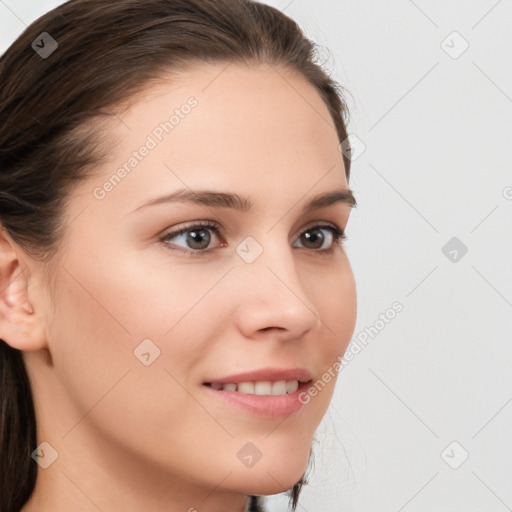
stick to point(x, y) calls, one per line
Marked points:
point(255, 128)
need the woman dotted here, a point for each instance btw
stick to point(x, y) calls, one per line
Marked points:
point(175, 294)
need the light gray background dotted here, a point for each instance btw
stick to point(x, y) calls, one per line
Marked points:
point(437, 132)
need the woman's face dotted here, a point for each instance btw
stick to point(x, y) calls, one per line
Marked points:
point(143, 318)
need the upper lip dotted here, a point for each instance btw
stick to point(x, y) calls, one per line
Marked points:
point(265, 374)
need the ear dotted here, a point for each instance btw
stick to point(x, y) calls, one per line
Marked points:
point(20, 325)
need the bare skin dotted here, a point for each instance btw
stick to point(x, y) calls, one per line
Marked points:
point(133, 437)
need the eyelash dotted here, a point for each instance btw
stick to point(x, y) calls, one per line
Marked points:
point(338, 235)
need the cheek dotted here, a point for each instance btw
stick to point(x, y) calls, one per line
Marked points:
point(89, 341)
point(99, 320)
point(336, 301)
point(111, 313)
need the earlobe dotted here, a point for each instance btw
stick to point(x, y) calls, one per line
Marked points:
point(19, 324)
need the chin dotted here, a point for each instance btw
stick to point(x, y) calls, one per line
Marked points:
point(273, 476)
point(269, 484)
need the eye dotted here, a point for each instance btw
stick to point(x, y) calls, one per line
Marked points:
point(197, 238)
point(313, 236)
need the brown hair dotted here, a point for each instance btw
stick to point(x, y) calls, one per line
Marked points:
point(52, 106)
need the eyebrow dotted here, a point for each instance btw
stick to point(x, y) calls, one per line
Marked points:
point(235, 201)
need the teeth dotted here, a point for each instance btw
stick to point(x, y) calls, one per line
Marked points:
point(263, 388)
point(279, 387)
point(246, 388)
point(291, 386)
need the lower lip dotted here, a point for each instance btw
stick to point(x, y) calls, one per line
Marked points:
point(266, 406)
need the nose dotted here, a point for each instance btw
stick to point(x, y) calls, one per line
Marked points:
point(273, 300)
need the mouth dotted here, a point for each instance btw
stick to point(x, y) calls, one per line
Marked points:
point(267, 393)
point(260, 388)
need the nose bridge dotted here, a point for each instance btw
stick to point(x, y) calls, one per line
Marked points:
point(273, 293)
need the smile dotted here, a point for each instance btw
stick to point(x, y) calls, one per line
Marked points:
point(267, 393)
point(261, 388)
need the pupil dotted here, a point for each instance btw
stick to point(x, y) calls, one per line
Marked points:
point(318, 236)
point(197, 236)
